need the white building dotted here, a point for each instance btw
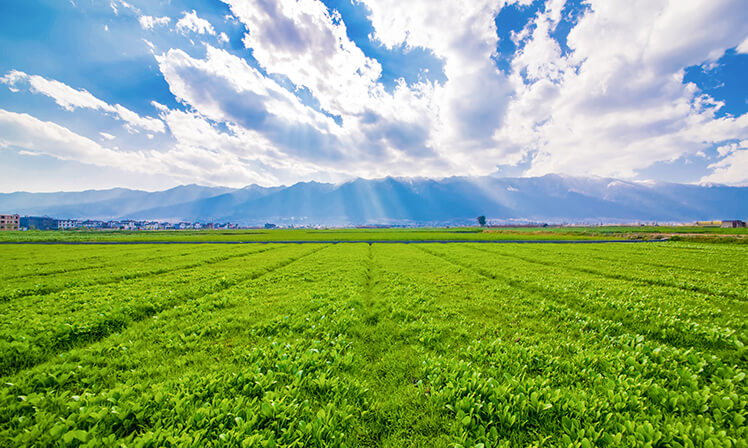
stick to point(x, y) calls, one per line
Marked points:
point(65, 224)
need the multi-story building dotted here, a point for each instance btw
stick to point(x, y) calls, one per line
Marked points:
point(9, 222)
point(65, 224)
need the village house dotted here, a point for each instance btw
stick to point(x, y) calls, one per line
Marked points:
point(729, 224)
point(9, 222)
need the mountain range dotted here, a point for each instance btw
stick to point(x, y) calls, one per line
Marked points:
point(400, 201)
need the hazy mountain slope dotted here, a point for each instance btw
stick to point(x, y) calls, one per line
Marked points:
point(102, 204)
point(206, 208)
point(456, 200)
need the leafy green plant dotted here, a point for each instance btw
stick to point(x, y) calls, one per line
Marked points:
point(375, 345)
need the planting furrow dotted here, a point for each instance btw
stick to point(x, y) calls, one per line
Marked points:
point(71, 337)
point(46, 290)
point(723, 342)
point(236, 367)
point(568, 267)
point(99, 263)
point(695, 306)
point(386, 345)
point(621, 276)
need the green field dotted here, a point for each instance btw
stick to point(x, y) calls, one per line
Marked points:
point(332, 345)
point(683, 233)
point(246, 235)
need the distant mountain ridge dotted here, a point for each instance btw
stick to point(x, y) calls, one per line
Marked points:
point(455, 200)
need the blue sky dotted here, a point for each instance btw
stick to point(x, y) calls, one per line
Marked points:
point(149, 95)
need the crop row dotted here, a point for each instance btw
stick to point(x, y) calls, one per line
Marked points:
point(40, 263)
point(116, 270)
point(680, 318)
point(240, 370)
point(539, 370)
point(725, 274)
point(386, 345)
point(33, 328)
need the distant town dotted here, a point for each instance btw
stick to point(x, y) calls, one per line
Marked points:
point(23, 223)
point(16, 222)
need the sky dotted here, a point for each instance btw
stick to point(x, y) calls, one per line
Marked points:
point(152, 94)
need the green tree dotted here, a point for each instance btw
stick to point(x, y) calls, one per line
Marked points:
point(482, 221)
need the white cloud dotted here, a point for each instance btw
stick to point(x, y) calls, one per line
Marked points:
point(612, 105)
point(301, 40)
point(149, 22)
point(190, 22)
point(617, 103)
point(268, 126)
point(159, 106)
point(728, 149)
point(107, 136)
point(305, 42)
point(65, 96)
point(743, 47)
point(732, 169)
point(151, 46)
point(207, 163)
point(42, 137)
point(238, 157)
point(116, 4)
point(136, 121)
point(224, 88)
point(309, 45)
point(70, 99)
point(472, 101)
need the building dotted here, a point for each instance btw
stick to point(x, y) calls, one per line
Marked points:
point(65, 224)
point(91, 224)
point(708, 223)
point(9, 222)
point(728, 224)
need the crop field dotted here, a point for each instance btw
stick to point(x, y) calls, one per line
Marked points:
point(374, 345)
point(528, 234)
point(281, 235)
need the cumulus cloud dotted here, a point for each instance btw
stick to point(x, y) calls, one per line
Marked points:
point(190, 22)
point(306, 43)
point(70, 99)
point(273, 124)
point(443, 124)
point(149, 22)
point(309, 45)
point(472, 101)
point(612, 105)
point(224, 88)
point(617, 103)
point(611, 102)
